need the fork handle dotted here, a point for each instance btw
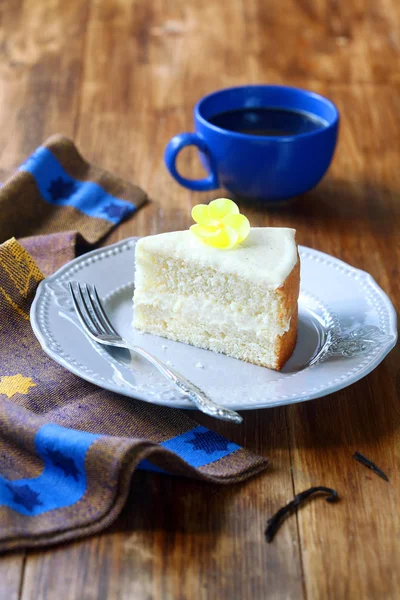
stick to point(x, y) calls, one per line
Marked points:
point(190, 390)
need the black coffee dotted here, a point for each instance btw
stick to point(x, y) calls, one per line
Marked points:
point(267, 121)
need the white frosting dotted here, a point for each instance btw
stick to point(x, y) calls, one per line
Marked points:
point(267, 256)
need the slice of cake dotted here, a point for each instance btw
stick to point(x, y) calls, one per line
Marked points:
point(239, 299)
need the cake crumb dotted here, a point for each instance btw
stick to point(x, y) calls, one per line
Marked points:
point(164, 347)
point(169, 363)
point(199, 365)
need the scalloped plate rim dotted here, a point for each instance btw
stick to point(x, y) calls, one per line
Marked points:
point(182, 403)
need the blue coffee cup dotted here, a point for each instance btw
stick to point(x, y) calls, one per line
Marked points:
point(265, 167)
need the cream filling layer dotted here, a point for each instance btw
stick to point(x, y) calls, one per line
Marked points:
point(210, 314)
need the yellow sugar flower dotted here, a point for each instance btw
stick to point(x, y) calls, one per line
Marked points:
point(219, 224)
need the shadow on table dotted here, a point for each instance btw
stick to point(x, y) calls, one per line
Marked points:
point(362, 413)
point(175, 504)
point(355, 417)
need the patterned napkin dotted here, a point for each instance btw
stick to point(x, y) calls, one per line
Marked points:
point(68, 448)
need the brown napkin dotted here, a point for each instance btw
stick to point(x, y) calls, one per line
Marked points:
point(68, 448)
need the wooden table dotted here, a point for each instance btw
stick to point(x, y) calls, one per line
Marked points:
point(121, 77)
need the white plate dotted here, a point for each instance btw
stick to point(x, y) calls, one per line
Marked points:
point(335, 299)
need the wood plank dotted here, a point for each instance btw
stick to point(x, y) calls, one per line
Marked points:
point(39, 95)
point(176, 539)
point(42, 44)
point(350, 550)
point(182, 539)
point(323, 41)
point(11, 573)
point(144, 66)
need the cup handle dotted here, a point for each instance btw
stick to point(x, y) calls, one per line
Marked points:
point(172, 150)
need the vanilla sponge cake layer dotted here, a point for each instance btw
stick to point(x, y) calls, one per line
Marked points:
point(268, 351)
point(241, 302)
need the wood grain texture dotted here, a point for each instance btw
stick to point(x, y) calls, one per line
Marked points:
point(121, 77)
point(182, 539)
point(41, 46)
point(11, 575)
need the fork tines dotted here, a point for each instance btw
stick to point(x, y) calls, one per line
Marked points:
point(89, 309)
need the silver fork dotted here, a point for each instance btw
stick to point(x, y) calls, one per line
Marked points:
point(97, 326)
